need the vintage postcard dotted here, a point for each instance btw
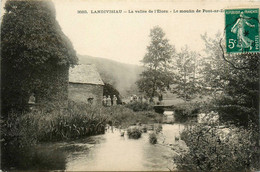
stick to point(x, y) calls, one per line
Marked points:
point(130, 85)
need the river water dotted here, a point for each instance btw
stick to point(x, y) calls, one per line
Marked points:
point(109, 151)
point(113, 152)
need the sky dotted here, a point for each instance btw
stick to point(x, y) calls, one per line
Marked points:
point(124, 37)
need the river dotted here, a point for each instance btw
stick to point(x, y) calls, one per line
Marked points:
point(110, 152)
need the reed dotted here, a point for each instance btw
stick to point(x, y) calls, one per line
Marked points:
point(75, 121)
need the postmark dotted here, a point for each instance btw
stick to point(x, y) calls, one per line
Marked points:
point(242, 30)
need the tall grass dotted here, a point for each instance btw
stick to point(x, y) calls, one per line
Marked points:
point(75, 121)
point(78, 120)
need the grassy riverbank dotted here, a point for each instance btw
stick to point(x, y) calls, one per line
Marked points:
point(73, 122)
point(40, 125)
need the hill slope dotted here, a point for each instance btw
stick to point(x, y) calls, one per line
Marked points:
point(122, 76)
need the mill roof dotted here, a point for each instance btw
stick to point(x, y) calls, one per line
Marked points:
point(85, 74)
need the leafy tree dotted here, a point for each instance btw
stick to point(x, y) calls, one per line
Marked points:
point(214, 69)
point(35, 54)
point(156, 77)
point(185, 81)
point(234, 82)
point(236, 78)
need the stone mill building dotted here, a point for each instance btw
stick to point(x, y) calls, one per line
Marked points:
point(85, 84)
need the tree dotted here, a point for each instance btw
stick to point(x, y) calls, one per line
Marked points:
point(214, 69)
point(35, 54)
point(236, 78)
point(186, 79)
point(156, 77)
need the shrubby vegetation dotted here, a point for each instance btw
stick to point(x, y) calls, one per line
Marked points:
point(134, 132)
point(233, 84)
point(125, 117)
point(139, 106)
point(212, 148)
point(152, 138)
point(187, 111)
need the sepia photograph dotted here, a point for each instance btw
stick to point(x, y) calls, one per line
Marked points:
point(130, 85)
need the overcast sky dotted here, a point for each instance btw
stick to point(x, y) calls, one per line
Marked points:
point(124, 37)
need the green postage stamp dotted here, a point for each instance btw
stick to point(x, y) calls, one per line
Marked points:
point(242, 31)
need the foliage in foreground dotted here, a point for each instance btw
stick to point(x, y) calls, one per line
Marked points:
point(215, 149)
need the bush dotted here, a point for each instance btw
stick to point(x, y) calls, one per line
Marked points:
point(152, 138)
point(139, 106)
point(218, 149)
point(185, 112)
point(134, 133)
point(125, 117)
point(158, 128)
point(144, 129)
